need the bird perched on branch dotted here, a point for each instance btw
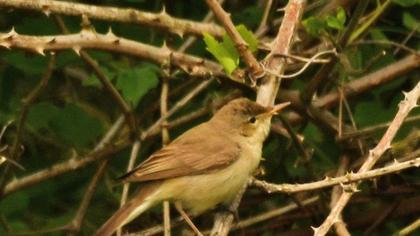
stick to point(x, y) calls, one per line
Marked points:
point(204, 167)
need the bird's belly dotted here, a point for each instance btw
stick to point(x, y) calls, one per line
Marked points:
point(201, 192)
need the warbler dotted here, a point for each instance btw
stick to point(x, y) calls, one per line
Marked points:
point(204, 167)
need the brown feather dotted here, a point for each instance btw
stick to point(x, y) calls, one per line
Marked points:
point(190, 154)
point(204, 167)
point(118, 218)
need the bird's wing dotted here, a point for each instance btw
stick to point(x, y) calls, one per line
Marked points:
point(191, 154)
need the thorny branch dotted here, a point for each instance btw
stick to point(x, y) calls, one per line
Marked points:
point(106, 82)
point(405, 106)
point(90, 39)
point(195, 66)
point(342, 180)
point(267, 92)
point(160, 20)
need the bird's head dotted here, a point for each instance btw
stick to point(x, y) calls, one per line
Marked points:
point(246, 118)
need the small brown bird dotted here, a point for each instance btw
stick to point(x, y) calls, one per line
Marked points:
point(204, 167)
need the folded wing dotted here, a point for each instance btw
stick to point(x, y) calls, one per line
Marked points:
point(190, 154)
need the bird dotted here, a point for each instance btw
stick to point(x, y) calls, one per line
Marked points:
point(204, 167)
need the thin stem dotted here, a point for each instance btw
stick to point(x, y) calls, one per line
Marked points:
point(26, 104)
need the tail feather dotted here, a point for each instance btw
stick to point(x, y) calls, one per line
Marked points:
point(133, 208)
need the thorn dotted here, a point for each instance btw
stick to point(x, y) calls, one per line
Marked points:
point(40, 50)
point(281, 9)
point(348, 176)
point(77, 49)
point(315, 229)
point(89, 31)
point(165, 46)
point(85, 21)
point(110, 33)
point(163, 12)
point(178, 32)
point(12, 33)
point(5, 44)
point(46, 10)
point(52, 41)
point(87, 27)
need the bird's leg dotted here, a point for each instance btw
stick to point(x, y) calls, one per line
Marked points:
point(178, 207)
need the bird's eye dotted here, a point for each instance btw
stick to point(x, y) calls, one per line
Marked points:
point(252, 119)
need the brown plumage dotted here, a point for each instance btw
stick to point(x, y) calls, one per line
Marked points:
point(203, 167)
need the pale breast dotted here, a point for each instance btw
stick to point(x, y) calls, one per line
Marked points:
point(201, 192)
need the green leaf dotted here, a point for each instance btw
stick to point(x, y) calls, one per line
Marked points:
point(95, 82)
point(370, 113)
point(28, 63)
point(249, 37)
point(134, 83)
point(222, 52)
point(41, 114)
point(75, 126)
point(377, 34)
point(410, 22)
point(15, 204)
point(225, 51)
point(314, 25)
point(341, 16)
point(337, 21)
point(334, 23)
point(71, 123)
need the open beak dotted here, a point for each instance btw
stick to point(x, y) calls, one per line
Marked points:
point(275, 109)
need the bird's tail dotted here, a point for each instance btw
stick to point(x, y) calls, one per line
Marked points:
point(140, 202)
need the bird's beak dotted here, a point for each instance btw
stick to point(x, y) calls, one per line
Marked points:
point(275, 109)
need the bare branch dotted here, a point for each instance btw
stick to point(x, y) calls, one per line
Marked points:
point(405, 106)
point(372, 80)
point(342, 180)
point(267, 92)
point(410, 228)
point(176, 107)
point(160, 20)
point(90, 39)
point(26, 104)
